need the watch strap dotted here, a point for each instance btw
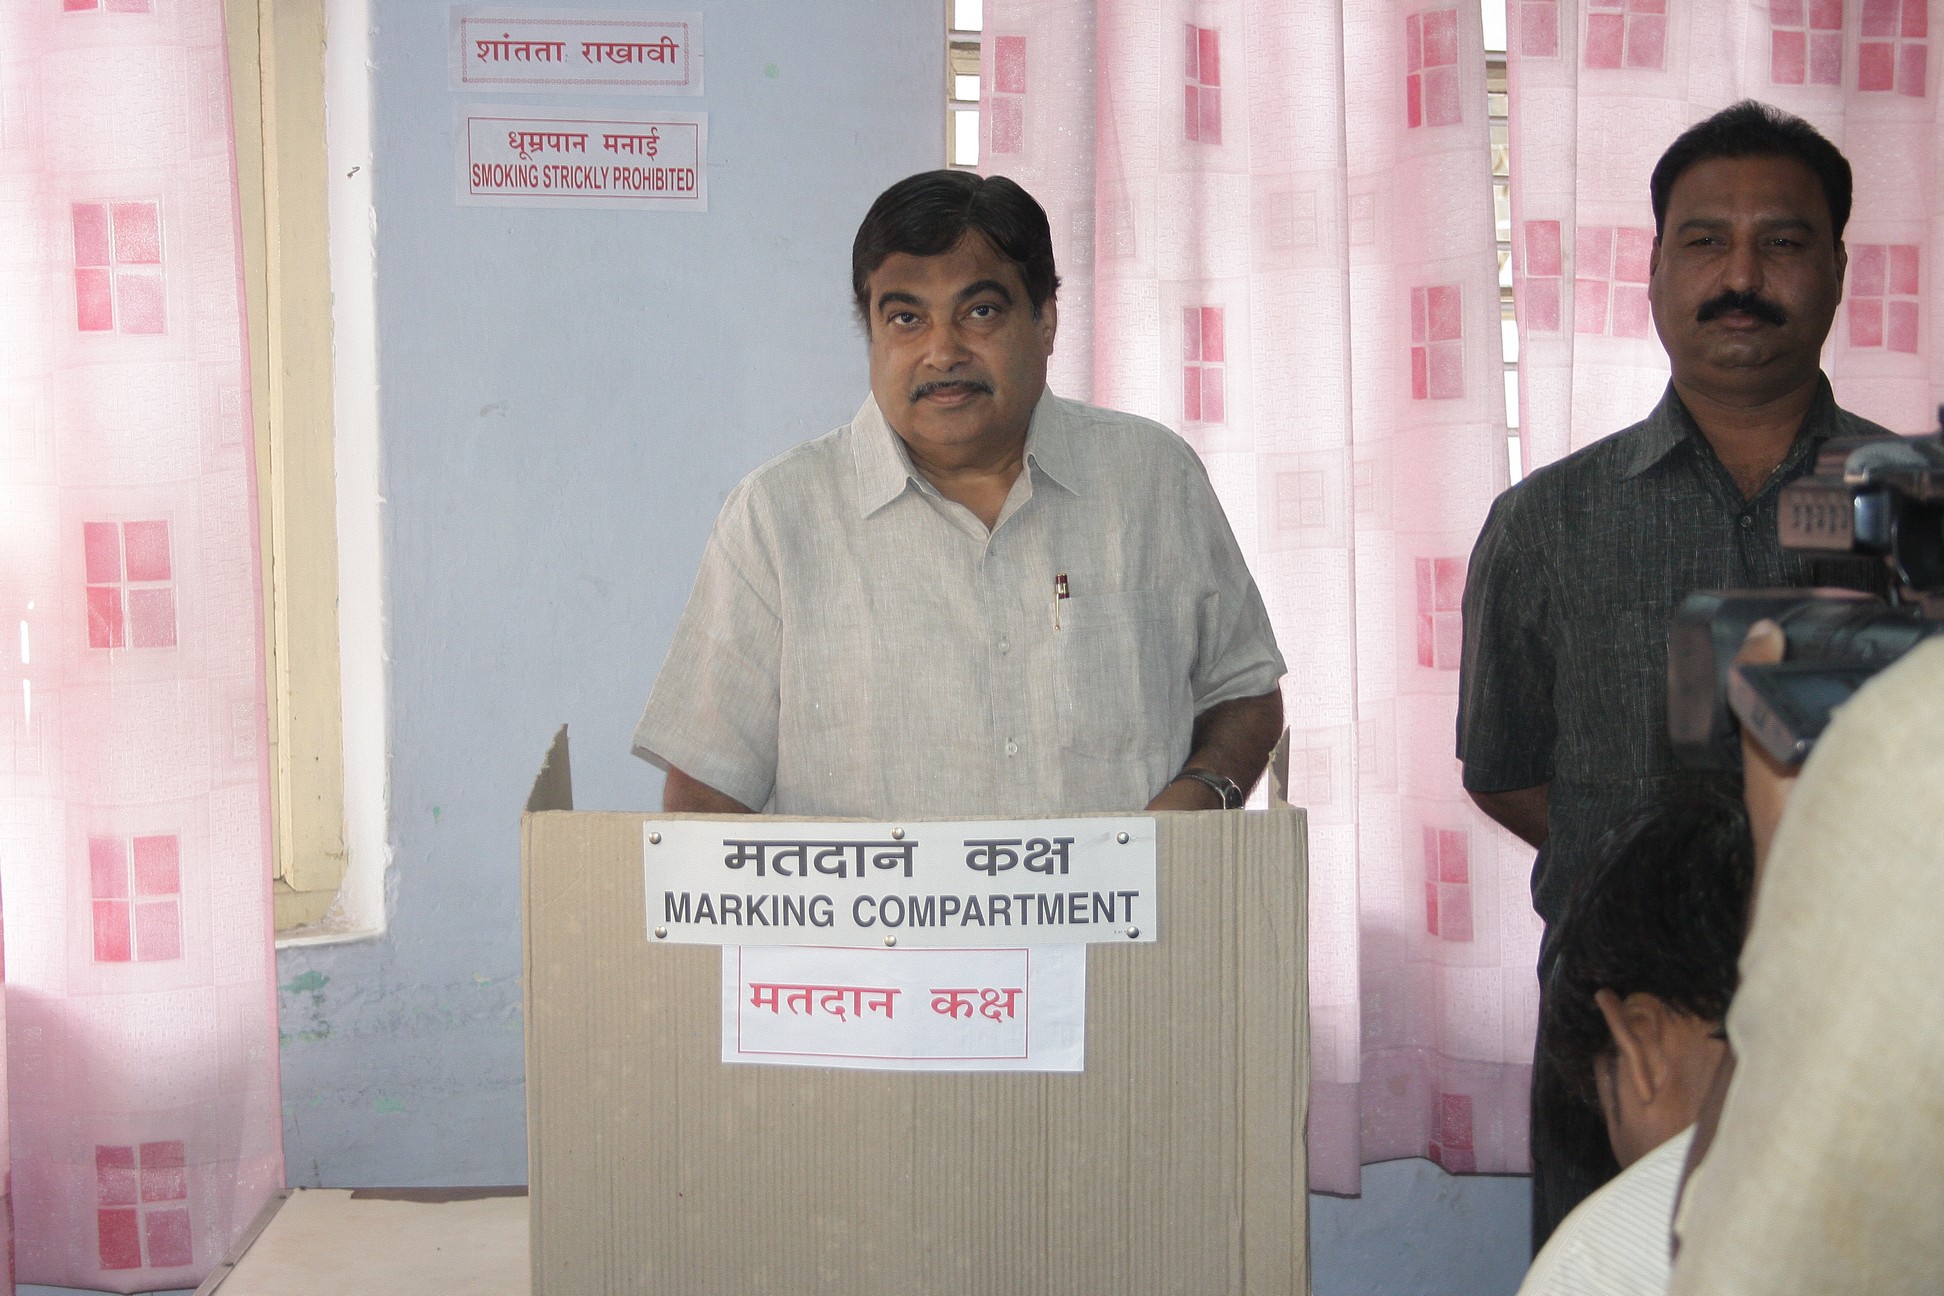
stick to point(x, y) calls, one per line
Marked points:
point(1222, 785)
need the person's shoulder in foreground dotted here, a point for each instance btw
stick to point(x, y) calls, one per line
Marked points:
point(1615, 1243)
point(1826, 1174)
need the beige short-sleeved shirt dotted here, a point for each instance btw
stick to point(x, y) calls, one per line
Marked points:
point(856, 644)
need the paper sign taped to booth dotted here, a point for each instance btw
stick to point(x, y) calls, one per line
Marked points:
point(973, 884)
point(531, 157)
point(906, 1009)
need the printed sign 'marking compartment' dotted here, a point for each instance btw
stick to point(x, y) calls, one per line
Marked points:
point(785, 882)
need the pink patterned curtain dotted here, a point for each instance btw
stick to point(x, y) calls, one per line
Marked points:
point(1601, 87)
point(1274, 221)
point(6, 1153)
point(134, 846)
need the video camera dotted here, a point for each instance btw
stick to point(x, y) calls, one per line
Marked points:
point(1880, 495)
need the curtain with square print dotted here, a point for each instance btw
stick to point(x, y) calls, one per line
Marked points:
point(1274, 223)
point(1600, 87)
point(134, 802)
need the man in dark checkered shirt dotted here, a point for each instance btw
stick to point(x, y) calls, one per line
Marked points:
point(1562, 720)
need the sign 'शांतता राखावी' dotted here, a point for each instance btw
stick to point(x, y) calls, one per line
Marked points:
point(644, 160)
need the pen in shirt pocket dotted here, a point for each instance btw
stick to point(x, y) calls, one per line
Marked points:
point(1059, 597)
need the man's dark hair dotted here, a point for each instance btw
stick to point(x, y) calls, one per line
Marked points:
point(927, 214)
point(1662, 911)
point(1753, 129)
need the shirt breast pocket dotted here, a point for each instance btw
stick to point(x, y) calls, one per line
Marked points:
point(1123, 673)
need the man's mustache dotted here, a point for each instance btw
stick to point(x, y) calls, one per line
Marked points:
point(923, 390)
point(1746, 303)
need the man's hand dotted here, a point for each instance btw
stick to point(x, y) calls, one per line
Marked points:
point(684, 795)
point(1232, 738)
point(1520, 810)
point(1766, 783)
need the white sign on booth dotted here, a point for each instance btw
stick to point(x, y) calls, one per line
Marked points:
point(906, 1009)
point(916, 946)
point(977, 883)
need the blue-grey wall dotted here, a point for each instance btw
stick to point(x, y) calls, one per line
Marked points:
point(565, 398)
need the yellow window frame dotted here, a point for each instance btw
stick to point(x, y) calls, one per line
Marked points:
point(277, 95)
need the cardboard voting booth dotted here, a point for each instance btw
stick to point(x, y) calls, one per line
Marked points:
point(1173, 1161)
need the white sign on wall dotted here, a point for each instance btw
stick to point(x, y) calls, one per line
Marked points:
point(1002, 882)
point(906, 1009)
point(531, 157)
point(548, 51)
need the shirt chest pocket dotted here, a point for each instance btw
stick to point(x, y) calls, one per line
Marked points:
point(1123, 663)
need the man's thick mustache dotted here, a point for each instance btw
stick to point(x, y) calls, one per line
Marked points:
point(1747, 303)
point(923, 390)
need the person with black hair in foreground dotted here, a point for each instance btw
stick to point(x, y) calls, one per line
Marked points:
point(975, 598)
point(1644, 969)
point(1562, 711)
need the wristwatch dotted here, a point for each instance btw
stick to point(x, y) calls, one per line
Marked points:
point(1222, 785)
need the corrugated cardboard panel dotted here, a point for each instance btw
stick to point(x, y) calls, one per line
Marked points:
point(1173, 1163)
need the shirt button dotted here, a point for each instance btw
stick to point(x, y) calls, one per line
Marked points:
point(1004, 646)
point(1747, 521)
point(1012, 748)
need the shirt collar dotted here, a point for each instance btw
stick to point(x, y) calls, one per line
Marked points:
point(1670, 425)
point(1049, 444)
point(884, 467)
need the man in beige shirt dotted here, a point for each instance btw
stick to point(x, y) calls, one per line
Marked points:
point(975, 598)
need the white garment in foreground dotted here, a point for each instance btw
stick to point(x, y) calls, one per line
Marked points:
point(1827, 1174)
point(1615, 1243)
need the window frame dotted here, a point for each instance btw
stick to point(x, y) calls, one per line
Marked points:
point(962, 52)
point(276, 50)
point(1498, 112)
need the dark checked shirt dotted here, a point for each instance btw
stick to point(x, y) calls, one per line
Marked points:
point(1571, 586)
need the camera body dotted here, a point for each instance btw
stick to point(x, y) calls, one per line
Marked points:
point(1879, 495)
